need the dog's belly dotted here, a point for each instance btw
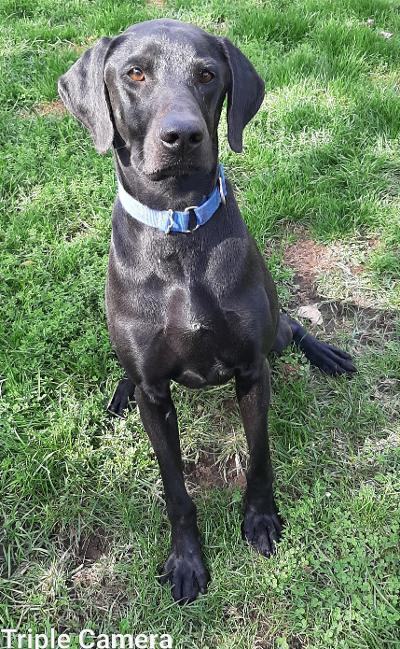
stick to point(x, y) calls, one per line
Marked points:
point(206, 354)
point(215, 375)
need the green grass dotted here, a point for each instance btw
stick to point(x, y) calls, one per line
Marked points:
point(321, 161)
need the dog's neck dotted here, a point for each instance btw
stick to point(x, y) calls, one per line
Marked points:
point(173, 192)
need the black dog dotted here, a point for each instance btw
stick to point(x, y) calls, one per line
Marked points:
point(196, 306)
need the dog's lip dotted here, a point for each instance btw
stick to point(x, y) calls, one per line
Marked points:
point(175, 169)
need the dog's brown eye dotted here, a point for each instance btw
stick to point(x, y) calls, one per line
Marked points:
point(136, 74)
point(206, 76)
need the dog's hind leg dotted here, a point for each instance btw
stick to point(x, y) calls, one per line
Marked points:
point(327, 358)
point(123, 398)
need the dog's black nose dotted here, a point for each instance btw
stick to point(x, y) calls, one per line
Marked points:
point(181, 133)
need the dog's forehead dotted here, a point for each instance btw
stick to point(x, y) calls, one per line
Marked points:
point(162, 48)
point(170, 42)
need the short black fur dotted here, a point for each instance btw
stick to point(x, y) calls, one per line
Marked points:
point(198, 308)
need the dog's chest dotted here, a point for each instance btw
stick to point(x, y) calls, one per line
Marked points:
point(194, 318)
point(204, 336)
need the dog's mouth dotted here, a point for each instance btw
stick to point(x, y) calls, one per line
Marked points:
point(173, 170)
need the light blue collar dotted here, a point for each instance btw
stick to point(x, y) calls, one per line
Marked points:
point(171, 220)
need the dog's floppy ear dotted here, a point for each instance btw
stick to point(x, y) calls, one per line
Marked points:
point(245, 93)
point(83, 92)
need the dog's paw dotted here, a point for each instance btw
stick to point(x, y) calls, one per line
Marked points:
point(187, 575)
point(327, 358)
point(123, 398)
point(262, 531)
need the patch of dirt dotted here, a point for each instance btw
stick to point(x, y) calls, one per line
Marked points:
point(44, 109)
point(351, 280)
point(155, 3)
point(367, 326)
point(86, 548)
point(91, 577)
point(92, 547)
point(372, 447)
point(338, 271)
point(387, 394)
point(297, 642)
point(55, 107)
point(94, 575)
point(335, 279)
point(207, 472)
point(290, 372)
point(308, 259)
point(98, 588)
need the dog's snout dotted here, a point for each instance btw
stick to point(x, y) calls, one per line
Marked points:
point(181, 133)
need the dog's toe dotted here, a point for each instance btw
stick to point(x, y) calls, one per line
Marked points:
point(187, 576)
point(334, 361)
point(262, 531)
point(327, 358)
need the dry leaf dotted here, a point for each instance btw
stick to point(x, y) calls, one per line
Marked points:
point(312, 313)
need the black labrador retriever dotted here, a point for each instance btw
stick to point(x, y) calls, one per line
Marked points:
point(188, 299)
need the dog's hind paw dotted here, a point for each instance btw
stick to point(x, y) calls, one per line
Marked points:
point(122, 399)
point(327, 358)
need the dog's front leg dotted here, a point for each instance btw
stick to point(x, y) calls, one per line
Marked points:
point(184, 568)
point(261, 525)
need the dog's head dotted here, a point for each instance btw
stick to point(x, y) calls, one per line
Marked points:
point(157, 90)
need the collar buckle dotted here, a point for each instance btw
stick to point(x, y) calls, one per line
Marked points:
point(189, 209)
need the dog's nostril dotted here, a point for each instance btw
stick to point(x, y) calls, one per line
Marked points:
point(181, 135)
point(170, 137)
point(196, 137)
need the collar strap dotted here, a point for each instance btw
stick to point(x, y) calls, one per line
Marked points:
point(172, 220)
